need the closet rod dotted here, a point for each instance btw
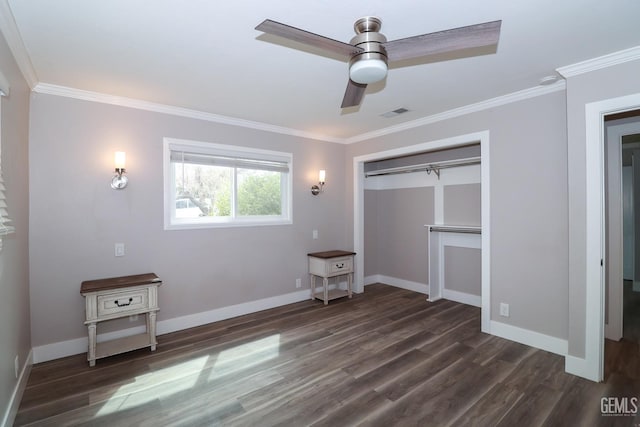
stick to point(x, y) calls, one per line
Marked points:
point(428, 167)
point(455, 230)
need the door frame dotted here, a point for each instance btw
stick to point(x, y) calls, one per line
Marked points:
point(593, 364)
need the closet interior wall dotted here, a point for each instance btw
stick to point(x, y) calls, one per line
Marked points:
point(398, 206)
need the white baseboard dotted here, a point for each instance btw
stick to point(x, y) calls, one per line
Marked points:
point(18, 391)
point(530, 338)
point(192, 320)
point(398, 283)
point(79, 345)
point(461, 297)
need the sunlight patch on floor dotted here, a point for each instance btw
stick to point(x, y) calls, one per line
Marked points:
point(131, 395)
point(180, 377)
point(246, 355)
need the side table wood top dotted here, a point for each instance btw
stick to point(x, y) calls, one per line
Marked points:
point(118, 282)
point(330, 254)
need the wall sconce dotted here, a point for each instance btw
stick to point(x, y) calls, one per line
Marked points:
point(119, 181)
point(317, 189)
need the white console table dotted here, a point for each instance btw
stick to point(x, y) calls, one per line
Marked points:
point(112, 298)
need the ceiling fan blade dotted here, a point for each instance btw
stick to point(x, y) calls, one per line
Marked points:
point(301, 36)
point(479, 35)
point(353, 95)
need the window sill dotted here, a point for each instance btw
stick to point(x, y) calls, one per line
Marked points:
point(226, 224)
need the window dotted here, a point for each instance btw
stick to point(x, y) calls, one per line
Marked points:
point(5, 221)
point(214, 185)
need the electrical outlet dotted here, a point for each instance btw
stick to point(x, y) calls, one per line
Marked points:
point(315, 234)
point(298, 283)
point(119, 249)
point(16, 365)
point(133, 318)
point(504, 309)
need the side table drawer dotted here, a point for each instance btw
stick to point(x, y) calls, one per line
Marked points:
point(344, 265)
point(122, 302)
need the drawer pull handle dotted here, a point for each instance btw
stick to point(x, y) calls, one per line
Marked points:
point(340, 265)
point(124, 304)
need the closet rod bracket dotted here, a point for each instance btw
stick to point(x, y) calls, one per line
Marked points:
point(435, 170)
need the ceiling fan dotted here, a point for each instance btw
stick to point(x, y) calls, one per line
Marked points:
point(369, 51)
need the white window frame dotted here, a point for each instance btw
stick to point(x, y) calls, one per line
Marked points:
point(214, 149)
point(5, 221)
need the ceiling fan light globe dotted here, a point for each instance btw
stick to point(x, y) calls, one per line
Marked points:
point(368, 71)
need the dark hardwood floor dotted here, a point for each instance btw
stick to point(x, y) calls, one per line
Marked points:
point(387, 357)
point(631, 312)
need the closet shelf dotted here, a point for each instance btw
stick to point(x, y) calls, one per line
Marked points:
point(428, 167)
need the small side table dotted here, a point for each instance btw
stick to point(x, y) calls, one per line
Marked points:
point(115, 297)
point(330, 264)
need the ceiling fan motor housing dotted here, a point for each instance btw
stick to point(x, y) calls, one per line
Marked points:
point(370, 65)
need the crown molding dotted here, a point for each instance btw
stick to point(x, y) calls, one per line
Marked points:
point(14, 40)
point(85, 95)
point(615, 58)
point(467, 109)
point(103, 98)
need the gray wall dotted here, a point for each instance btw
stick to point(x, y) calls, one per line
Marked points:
point(76, 217)
point(15, 338)
point(582, 89)
point(396, 243)
point(462, 204)
point(462, 270)
point(529, 220)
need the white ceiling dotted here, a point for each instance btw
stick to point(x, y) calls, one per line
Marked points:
point(206, 56)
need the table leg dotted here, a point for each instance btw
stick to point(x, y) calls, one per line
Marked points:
point(313, 287)
point(91, 356)
point(151, 329)
point(349, 283)
point(325, 285)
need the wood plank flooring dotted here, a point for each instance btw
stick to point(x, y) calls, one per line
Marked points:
point(631, 312)
point(384, 358)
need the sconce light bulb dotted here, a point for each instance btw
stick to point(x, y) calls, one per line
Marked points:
point(120, 159)
point(317, 189)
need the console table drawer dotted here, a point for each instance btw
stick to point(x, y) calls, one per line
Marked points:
point(122, 302)
point(344, 265)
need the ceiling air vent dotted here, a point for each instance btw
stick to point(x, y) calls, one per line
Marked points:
point(394, 113)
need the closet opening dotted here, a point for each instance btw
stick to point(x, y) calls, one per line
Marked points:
point(421, 220)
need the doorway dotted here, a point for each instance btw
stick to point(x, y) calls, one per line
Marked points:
point(622, 180)
point(592, 366)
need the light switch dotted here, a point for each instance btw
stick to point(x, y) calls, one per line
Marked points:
point(119, 249)
point(504, 309)
point(315, 234)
